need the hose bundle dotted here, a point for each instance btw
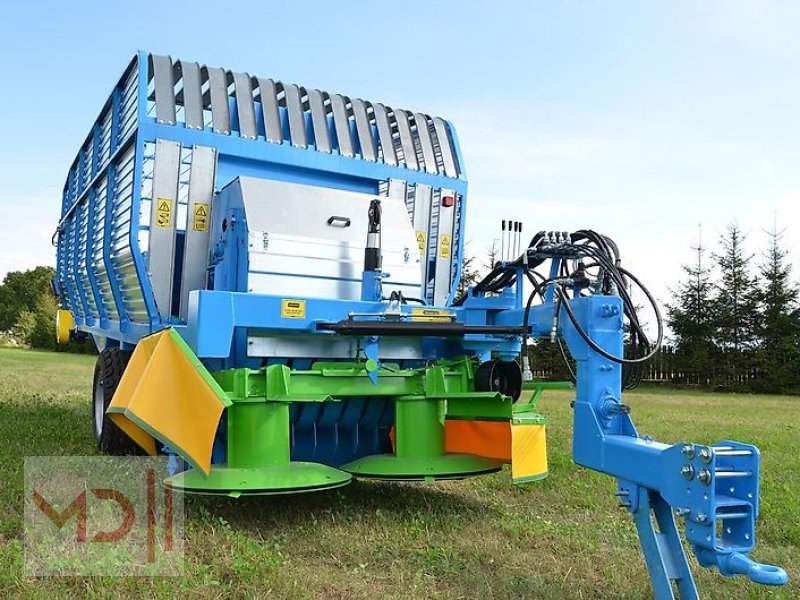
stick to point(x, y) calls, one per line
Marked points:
point(603, 274)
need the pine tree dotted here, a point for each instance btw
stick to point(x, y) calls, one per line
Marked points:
point(691, 318)
point(469, 271)
point(492, 256)
point(779, 357)
point(735, 304)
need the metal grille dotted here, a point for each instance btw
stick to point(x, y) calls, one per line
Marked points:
point(67, 273)
point(231, 103)
point(459, 212)
point(127, 110)
point(81, 273)
point(437, 272)
point(120, 244)
point(97, 260)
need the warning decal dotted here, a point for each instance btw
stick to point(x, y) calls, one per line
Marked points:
point(444, 247)
point(164, 212)
point(431, 314)
point(421, 241)
point(200, 222)
point(293, 309)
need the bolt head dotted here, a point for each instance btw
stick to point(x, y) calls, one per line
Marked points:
point(704, 476)
point(688, 451)
point(705, 454)
point(687, 471)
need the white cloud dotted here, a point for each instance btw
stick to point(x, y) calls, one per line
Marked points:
point(764, 26)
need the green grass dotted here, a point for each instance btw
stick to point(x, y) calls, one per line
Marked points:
point(563, 537)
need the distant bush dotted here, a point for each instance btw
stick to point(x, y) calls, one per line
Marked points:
point(28, 312)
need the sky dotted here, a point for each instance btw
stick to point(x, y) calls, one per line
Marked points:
point(646, 121)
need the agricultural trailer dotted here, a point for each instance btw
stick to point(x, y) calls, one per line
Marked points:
point(271, 275)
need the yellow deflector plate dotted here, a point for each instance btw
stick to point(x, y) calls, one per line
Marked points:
point(166, 393)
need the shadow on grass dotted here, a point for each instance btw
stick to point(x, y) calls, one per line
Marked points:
point(399, 500)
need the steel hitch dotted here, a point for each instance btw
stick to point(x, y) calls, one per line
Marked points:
point(715, 489)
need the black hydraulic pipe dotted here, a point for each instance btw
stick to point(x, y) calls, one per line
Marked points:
point(416, 328)
point(372, 251)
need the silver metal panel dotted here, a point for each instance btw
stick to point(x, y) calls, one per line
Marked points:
point(244, 106)
point(317, 285)
point(444, 250)
point(220, 111)
point(313, 346)
point(448, 158)
point(198, 226)
point(424, 136)
point(409, 151)
point(164, 83)
point(397, 189)
point(161, 250)
point(423, 199)
point(312, 257)
point(192, 95)
point(385, 134)
point(269, 104)
point(319, 121)
point(297, 118)
point(342, 124)
point(364, 131)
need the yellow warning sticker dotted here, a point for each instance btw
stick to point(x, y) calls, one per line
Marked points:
point(164, 212)
point(431, 314)
point(293, 309)
point(421, 241)
point(444, 247)
point(200, 222)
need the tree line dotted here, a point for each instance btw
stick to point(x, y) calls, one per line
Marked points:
point(734, 316)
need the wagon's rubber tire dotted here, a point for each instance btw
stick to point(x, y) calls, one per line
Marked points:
point(107, 374)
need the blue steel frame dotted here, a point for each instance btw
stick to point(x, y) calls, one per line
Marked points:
point(652, 476)
point(655, 478)
point(236, 156)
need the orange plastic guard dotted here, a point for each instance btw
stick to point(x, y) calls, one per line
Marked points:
point(520, 443)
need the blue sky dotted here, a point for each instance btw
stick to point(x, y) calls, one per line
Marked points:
point(641, 120)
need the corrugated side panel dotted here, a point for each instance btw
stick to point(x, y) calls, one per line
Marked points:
point(120, 240)
point(97, 261)
point(88, 205)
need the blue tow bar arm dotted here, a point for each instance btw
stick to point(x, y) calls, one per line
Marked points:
point(713, 488)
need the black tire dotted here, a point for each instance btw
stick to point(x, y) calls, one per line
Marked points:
point(107, 373)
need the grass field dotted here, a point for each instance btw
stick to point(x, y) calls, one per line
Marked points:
point(563, 537)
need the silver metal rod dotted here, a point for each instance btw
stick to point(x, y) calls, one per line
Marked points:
point(733, 473)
